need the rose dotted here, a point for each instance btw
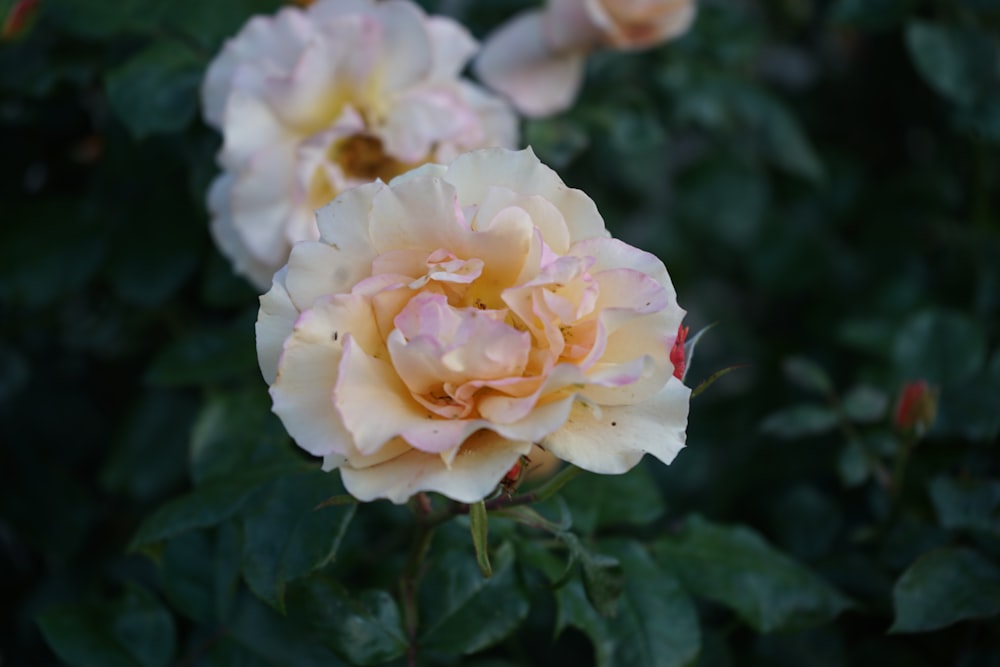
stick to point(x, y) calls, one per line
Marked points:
point(313, 101)
point(536, 59)
point(446, 321)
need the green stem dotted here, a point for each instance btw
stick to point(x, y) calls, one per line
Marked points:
point(409, 581)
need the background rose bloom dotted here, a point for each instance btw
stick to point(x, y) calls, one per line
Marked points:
point(313, 101)
point(445, 322)
point(536, 59)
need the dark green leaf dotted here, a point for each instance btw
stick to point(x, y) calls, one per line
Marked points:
point(737, 568)
point(366, 630)
point(157, 89)
point(602, 501)
point(460, 611)
point(133, 632)
point(276, 640)
point(186, 575)
point(943, 587)
point(950, 59)
point(655, 623)
point(941, 347)
point(236, 432)
point(865, 404)
point(967, 505)
point(799, 421)
point(808, 375)
point(285, 538)
point(852, 464)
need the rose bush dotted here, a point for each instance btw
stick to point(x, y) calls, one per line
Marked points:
point(313, 101)
point(536, 59)
point(445, 322)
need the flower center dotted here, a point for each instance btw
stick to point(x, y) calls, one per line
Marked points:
point(363, 158)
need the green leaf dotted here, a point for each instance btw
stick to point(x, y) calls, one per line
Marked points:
point(944, 587)
point(800, 421)
point(186, 575)
point(479, 526)
point(236, 432)
point(285, 538)
point(951, 60)
point(460, 611)
point(366, 630)
point(865, 404)
point(808, 375)
point(942, 347)
point(736, 567)
point(207, 505)
point(275, 640)
point(852, 464)
point(601, 501)
point(967, 505)
point(655, 624)
point(156, 91)
point(135, 631)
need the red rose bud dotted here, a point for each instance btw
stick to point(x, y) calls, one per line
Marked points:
point(917, 407)
point(677, 355)
point(18, 18)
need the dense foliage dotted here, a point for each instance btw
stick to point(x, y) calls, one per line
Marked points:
point(820, 179)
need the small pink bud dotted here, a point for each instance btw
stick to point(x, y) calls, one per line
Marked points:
point(19, 17)
point(917, 407)
point(677, 354)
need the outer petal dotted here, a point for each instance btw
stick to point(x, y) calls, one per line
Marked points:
point(307, 374)
point(407, 52)
point(611, 440)
point(475, 172)
point(517, 61)
point(275, 321)
point(228, 239)
point(452, 47)
point(478, 467)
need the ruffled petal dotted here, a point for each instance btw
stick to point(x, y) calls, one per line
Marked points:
point(275, 321)
point(612, 439)
point(474, 473)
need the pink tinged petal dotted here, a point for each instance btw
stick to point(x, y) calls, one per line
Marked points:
point(568, 26)
point(422, 118)
point(500, 409)
point(451, 46)
point(608, 253)
point(343, 223)
point(306, 97)
point(473, 474)
point(626, 294)
point(303, 392)
point(227, 237)
point(407, 55)
point(416, 213)
point(612, 439)
point(330, 10)
point(275, 321)
point(498, 124)
point(516, 61)
point(473, 173)
point(373, 402)
point(647, 339)
point(539, 423)
point(543, 214)
point(407, 262)
point(271, 43)
point(639, 25)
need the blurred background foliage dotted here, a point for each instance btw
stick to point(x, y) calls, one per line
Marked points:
point(820, 179)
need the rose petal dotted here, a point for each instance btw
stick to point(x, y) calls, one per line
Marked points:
point(475, 472)
point(303, 392)
point(517, 61)
point(611, 440)
point(275, 321)
point(452, 46)
point(228, 239)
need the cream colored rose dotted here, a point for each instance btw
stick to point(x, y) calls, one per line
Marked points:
point(313, 101)
point(446, 321)
point(537, 58)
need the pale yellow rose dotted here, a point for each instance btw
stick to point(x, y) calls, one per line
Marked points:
point(445, 322)
point(313, 101)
